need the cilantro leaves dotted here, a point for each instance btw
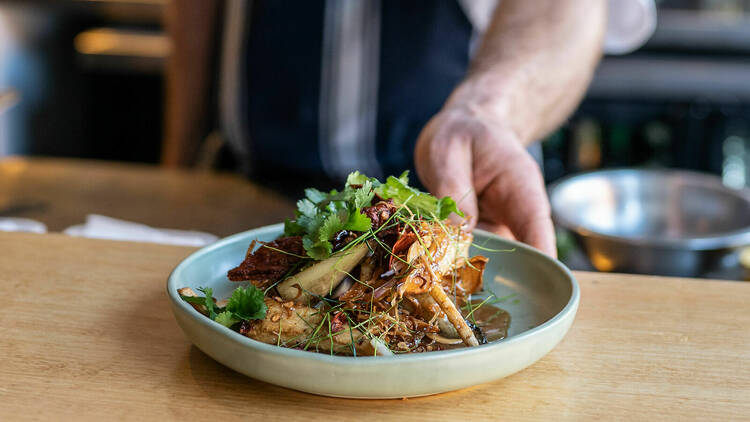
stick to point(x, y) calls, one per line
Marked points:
point(320, 216)
point(207, 301)
point(418, 202)
point(246, 303)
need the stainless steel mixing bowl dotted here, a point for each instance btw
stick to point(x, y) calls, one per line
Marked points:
point(666, 222)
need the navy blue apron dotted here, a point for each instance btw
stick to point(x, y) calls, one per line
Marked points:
point(422, 53)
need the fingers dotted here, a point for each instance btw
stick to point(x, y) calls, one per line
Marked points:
point(540, 233)
point(445, 168)
point(486, 170)
point(517, 198)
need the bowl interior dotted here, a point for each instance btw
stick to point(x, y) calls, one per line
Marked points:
point(533, 287)
point(650, 204)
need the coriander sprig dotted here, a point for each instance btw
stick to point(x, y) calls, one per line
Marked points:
point(321, 216)
point(245, 304)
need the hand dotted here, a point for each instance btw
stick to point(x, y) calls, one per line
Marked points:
point(467, 154)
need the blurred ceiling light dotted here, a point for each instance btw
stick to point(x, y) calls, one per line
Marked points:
point(117, 42)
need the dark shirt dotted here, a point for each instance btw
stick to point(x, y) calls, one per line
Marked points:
point(334, 86)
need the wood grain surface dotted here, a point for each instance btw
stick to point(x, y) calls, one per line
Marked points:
point(87, 334)
point(61, 192)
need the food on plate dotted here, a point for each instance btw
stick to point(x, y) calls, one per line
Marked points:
point(375, 269)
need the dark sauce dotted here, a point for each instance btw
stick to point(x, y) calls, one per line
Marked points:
point(492, 321)
point(488, 322)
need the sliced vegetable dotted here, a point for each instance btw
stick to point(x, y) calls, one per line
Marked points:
point(322, 277)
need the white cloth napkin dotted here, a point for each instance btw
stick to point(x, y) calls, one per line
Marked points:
point(12, 224)
point(101, 227)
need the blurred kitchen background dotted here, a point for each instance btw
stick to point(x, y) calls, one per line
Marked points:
point(680, 101)
point(83, 78)
point(86, 79)
point(92, 71)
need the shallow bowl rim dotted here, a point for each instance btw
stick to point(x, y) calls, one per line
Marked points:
point(179, 305)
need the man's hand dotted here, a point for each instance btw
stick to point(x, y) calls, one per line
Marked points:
point(465, 153)
point(531, 70)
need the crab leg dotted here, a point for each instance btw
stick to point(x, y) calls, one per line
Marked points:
point(455, 317)
point(447, 305)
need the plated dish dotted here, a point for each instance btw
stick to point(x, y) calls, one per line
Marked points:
point(539, 295)
point(375, 269)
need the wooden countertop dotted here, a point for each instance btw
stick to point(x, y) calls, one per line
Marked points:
point(61, 192)
point(87, 334)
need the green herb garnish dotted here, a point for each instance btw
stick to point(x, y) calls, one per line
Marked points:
point(245, 304)
point(320, 216)
point(207, 301)
point(420, 203)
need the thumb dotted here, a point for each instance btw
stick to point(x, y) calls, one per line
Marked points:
point(445, 169)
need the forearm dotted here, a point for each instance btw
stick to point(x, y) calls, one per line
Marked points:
point(534, 63)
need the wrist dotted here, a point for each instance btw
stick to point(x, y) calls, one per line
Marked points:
point(488, 97)
point(481, 92)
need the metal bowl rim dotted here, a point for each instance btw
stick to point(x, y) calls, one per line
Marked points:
point(731, 239)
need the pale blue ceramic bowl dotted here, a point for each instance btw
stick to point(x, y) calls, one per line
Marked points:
point(542, 309)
